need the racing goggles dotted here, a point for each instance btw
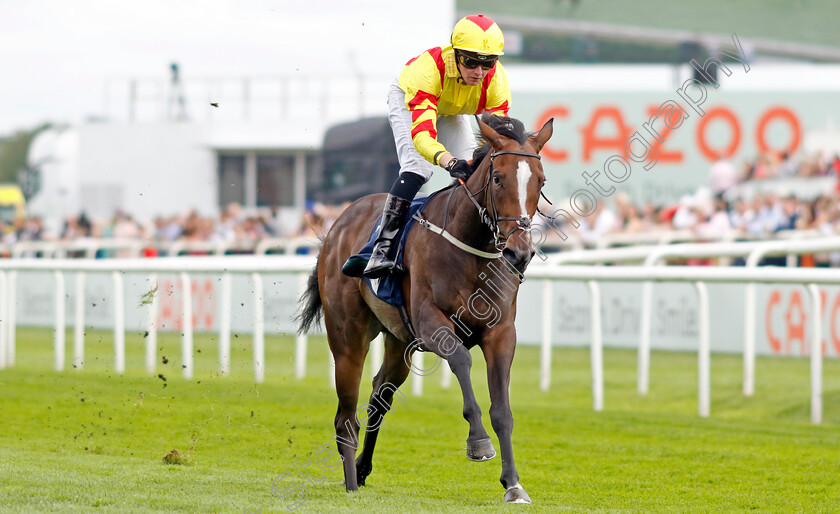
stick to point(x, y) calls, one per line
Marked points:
point(472, 60)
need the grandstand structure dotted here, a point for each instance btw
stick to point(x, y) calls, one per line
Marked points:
point(662, 30)
point(262, 146)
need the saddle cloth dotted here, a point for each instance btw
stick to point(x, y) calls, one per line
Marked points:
point(388, 288)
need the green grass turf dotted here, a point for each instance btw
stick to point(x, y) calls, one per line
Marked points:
point(89, 439)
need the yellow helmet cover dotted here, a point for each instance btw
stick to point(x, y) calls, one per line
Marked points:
point(478, 33)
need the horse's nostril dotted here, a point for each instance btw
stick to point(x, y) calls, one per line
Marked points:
point(519, 261)
point(509, 255)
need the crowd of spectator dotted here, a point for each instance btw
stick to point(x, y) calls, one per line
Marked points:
point(724, 207)
point(762, 216)
point(708, 212)
point(231, 226)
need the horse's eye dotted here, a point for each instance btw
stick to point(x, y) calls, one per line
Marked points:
point(497, 180)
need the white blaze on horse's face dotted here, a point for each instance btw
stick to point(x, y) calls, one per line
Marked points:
point(523, 176)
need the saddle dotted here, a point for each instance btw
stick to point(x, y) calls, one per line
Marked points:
point(389, 287)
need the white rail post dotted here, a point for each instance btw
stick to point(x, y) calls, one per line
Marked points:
point(816, 355)
point(12, 315)
point(79, 322)
point(302, 340)
point(4, 318)
point(749, 339)
point(752, 260)
point(119, 323)
point(259, 329)
point(151, 336)
point(445, 374)
point(643, 379)
point(59, 320)
point(377, 347)
point(186, 326)
point(417, 378)
point(224, 326)
point(703, 358)
point(545, 342)
point(596, 350)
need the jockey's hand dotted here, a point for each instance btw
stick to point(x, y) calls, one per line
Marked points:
point(459, 169)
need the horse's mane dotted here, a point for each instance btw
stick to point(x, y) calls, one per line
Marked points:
point(507, 127)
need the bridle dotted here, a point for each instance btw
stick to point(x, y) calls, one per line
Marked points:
point(489, 214)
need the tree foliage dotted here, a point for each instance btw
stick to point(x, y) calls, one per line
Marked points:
point(13, 151)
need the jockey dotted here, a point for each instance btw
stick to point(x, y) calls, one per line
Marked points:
point(425, 105)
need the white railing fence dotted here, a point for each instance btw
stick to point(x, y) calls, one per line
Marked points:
point(92, 247)
point(753, 251)
point(256, 266)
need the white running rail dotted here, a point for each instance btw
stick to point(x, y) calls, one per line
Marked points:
point(254, 266)
point(754, 251)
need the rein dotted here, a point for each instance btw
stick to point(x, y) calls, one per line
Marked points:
point(489, 217)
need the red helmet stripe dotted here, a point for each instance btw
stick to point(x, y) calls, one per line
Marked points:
point(482, 21)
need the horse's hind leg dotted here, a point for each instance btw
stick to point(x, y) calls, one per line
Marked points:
point(348, 373)
point(385, 384)
point(348, 343)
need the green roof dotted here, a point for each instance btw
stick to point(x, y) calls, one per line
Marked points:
point(814, 22)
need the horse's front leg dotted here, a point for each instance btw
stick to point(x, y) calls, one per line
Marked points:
point(498, 348)
point(438, 336)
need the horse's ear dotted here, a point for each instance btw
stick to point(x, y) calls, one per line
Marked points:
point(489, 135)
point(544, 134)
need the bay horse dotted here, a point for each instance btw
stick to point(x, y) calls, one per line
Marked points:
point(467, 281)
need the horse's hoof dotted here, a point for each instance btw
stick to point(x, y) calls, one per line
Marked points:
point(480, 450)
point(516, 494)
point(361, 477)
point(362, 472)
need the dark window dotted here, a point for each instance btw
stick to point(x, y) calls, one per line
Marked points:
point(275, 181)
point(231, 179)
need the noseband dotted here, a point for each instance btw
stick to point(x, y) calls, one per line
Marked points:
point(489, 214)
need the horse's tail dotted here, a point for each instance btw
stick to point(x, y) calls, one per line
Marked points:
point(310, 307)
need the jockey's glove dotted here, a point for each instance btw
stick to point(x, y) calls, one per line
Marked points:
point(459, 169)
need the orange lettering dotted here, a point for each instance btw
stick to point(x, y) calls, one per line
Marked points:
point(835, 339)
point(729, 117)
point(782, 113)
point(208, 313)
point(796, 318)
point(592, 140)
point(549, 153)
point(775, 342)
point(665, 155)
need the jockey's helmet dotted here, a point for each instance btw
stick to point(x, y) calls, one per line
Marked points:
point(478, 34)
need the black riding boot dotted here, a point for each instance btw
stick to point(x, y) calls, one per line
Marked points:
point(381, 261)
